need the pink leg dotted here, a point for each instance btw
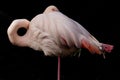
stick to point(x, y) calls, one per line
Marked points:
point(58, 68)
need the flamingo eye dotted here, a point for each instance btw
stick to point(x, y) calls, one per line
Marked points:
point(21, 31)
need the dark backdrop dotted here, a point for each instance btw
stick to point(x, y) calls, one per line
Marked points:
point(100, 18)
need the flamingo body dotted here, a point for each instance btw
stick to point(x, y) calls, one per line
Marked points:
point(55, 34)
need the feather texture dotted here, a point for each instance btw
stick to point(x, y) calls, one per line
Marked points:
point(57, 34)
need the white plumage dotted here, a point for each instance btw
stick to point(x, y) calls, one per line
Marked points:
point(55, 34)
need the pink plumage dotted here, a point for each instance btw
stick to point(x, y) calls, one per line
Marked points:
point(55, 34)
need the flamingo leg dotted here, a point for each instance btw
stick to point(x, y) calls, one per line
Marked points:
point(58, 74)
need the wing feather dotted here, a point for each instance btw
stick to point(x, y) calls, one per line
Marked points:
point(69, 32)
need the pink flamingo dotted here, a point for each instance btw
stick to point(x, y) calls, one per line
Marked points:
point(55, 34)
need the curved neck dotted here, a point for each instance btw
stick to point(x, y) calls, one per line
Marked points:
point(12, 32)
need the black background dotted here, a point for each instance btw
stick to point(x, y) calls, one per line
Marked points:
point(99, 17)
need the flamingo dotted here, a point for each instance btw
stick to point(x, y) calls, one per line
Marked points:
point(55, 34)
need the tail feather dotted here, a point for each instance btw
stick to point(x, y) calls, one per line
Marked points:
point(107, 48)
point(91, 47)
point(96, 49)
